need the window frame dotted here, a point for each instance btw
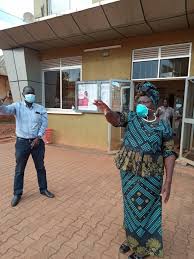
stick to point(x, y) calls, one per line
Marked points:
point(171, 59)
point(60, 69)
point(159, 58)
point(144, 60)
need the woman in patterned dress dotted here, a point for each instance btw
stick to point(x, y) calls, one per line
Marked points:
point(146, 150)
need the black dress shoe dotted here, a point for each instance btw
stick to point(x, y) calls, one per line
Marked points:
point(47, 194)
point(16, 199)
point(124, 248)
point(134, 256)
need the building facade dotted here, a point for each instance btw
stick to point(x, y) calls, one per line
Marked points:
point(102, 52)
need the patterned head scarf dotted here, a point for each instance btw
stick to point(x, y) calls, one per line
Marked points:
point(149, 90)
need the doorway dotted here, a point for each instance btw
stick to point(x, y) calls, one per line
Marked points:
point(173, 91)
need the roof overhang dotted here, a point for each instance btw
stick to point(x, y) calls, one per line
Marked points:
point(117, 20)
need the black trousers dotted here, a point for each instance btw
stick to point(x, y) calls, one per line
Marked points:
point(23, 151)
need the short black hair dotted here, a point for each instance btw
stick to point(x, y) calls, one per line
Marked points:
point(28, 88)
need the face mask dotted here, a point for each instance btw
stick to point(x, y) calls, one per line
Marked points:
point(142, 110)
point(30, 98)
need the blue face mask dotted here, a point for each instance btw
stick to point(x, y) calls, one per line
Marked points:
point(30, 98)
point(142, 110)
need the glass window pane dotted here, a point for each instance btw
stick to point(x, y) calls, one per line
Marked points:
point(174, 67)
point(125, 99)
point(59, 6)
point(87, 93)
point(75, 4)
point(105, 93)
point(145, 69)
point(52, 89)
point(116, 96)
point(69, 78)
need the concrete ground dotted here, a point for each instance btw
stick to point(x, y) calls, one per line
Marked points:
point(85, 218)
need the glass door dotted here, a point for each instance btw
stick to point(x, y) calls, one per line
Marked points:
point(187, 134)
point(122, 97)
point(125, 101)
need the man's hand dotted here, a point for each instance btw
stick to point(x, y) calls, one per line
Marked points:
point(166, 189)
point(2, 100)
point(35, 143)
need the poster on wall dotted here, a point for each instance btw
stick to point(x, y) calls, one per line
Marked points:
point(87, 93)
point(105, 93)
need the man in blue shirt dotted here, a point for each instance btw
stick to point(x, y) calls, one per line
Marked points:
point(31, 122)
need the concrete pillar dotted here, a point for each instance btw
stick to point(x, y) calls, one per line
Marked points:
point(23, 69)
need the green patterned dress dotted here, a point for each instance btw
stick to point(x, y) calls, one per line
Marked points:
point(141, 164)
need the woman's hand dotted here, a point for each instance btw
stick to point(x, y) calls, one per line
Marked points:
point(166, 189)
point(102, 106)
point(111, 116)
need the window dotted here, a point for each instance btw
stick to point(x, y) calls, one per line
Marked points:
point(60, 77)
point(107, 91)
point(76, 5)
point(52, 89)
point(145, 69)
point(61, 6)
point(176, 67)
point(69, 78)
point(161, 62)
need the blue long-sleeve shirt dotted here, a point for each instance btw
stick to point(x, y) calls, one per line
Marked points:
point(30, 122)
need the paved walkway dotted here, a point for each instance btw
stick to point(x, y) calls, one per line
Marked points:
point(85, 218)
point(7, 131)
